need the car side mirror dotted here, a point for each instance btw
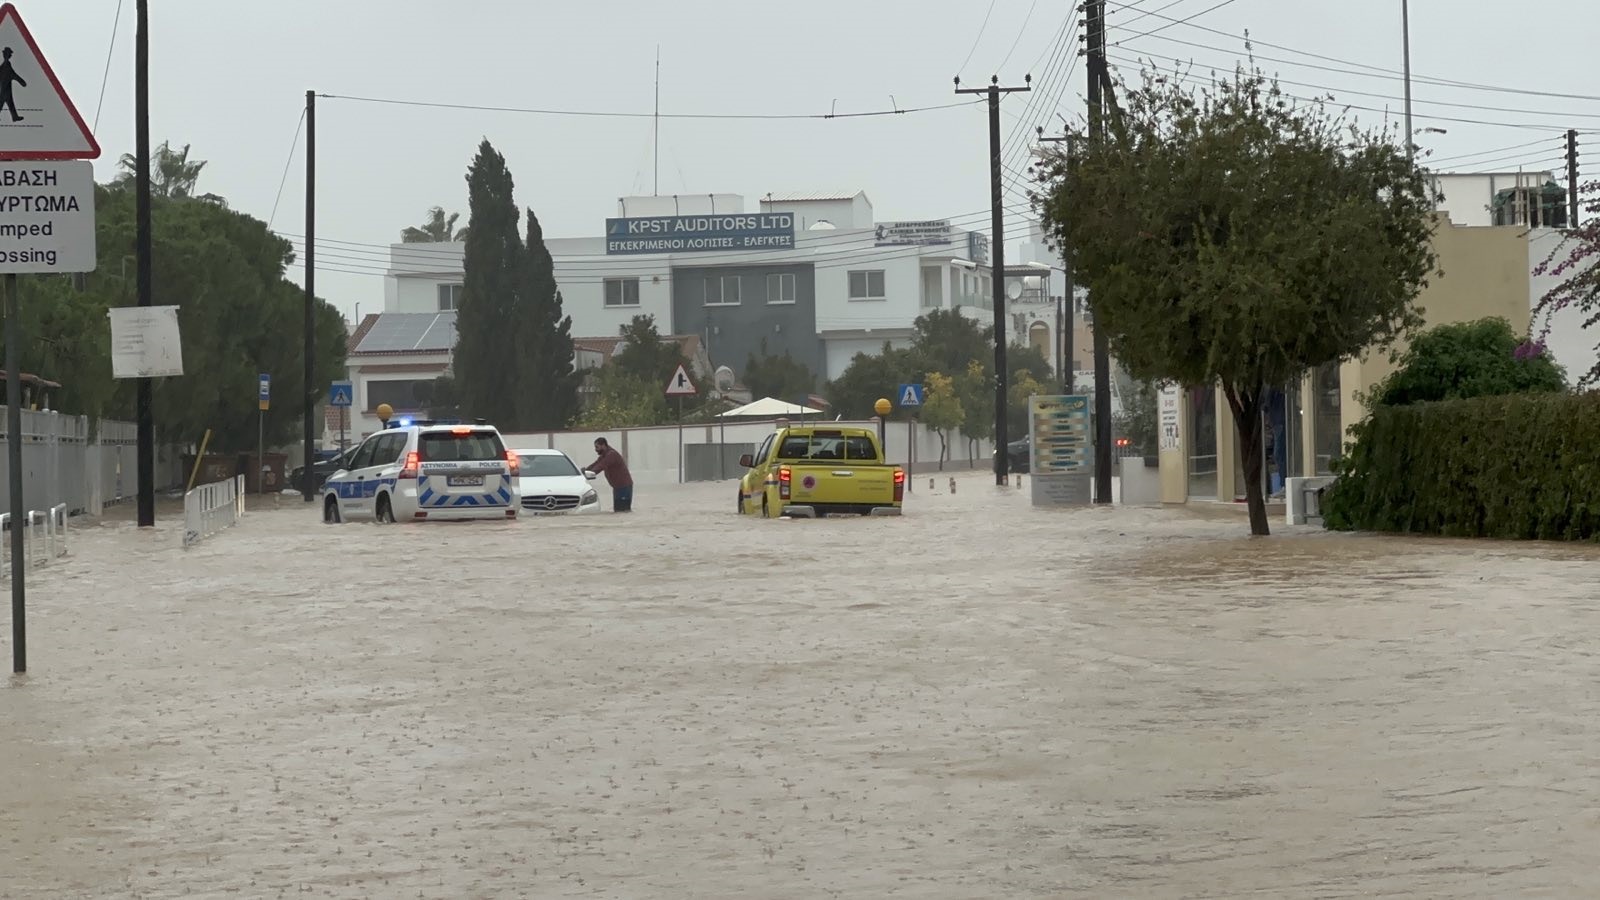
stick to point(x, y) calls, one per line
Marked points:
point(590, 476)
point(748, 461)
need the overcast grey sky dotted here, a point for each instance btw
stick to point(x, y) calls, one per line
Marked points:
point(230, 77)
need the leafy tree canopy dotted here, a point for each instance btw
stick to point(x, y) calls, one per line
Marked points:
point(783, 377)
point(1484, 358)
point(646, 355)
point(1240, 237)
point(1577, 261)
point(439, 227)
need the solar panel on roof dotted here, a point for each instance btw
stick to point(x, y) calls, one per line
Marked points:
point(398, 332)
point(440, 335)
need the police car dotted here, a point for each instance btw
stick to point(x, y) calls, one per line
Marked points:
point(416, 472)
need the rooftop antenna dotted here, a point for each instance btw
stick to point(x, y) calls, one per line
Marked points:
point(656, 189)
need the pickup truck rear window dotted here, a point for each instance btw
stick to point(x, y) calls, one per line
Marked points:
point(828, 447)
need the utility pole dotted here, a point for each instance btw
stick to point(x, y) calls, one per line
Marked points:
point(1405, 38)
point(997, 252)
point(1572, 178)
point(1069, 304)
point(307, 477)
point(144, 401)
point(1099, 81)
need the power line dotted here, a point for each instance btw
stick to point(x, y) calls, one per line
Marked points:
point(1527, 126)
point(1145, 13)
point(1395, 73)
point(105, 78)
point(286, 164)
point(1184, 21)
point(977, 38)
point(1497, 150)
point(1020, 32)
point(603, 114)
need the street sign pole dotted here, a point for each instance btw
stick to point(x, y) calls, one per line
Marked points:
point(680, 385)
point(19, 552)
point(53, 235)
point(680, 439)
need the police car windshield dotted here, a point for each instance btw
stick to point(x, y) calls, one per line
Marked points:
point(471, 446)
point(546, 466)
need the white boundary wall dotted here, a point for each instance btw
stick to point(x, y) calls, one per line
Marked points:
point(652, 453)
point(61, 464)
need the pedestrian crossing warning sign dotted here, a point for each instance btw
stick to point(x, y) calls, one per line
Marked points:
point(37, 118)
point(910, 395)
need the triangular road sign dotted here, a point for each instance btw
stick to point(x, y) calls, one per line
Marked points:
point(910, 395)
point(681, 384)
point(37, 119)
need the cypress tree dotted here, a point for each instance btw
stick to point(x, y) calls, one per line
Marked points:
point(547, 395)
point(486, 351)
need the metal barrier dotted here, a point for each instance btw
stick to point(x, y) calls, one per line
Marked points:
point(212, 507)
point(44, 538)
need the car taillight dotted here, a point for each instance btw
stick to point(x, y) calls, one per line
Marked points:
point(409, 470)
point(513, 463)
point(899, 485)
point(785, 477)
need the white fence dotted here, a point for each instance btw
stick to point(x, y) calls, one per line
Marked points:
point(212, 507)
point(63, 464)
point(653, 455)
point(44, 538)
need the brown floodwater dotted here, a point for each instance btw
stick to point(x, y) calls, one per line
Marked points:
point(978, 700)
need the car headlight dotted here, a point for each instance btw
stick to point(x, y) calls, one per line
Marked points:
point(590, 496)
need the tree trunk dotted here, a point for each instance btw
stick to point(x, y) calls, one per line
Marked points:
point(1246, 407)
point(943, 447)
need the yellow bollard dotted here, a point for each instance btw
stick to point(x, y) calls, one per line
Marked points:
point(204, 443)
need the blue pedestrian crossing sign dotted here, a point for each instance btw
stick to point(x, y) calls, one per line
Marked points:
point(911, 395)
point(341, 394)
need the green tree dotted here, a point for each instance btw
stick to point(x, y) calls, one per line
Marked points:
point(941, 411)
point(624, 400)
point(487, 353)
point(783, 377)
point(1023, 385)
point(646, 355)
point(173, 174)
point(871, 376)
point(945, 340)
point(238, 316)
point(547, 387)
point(439, 227)
point(1484, 358)
point(1240, 237)
point(976, 390)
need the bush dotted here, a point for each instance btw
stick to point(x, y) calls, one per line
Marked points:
point(1484, 358)
point(1514, 467)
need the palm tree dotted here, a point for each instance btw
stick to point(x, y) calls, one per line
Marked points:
point(172, 174)
point(439, 228)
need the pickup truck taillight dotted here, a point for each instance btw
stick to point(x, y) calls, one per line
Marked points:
point(899, 485)
point(409, 470)
point(785, 479)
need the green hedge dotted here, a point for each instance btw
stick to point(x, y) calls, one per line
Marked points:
point(1519, 467)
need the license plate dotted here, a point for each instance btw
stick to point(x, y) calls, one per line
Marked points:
point(464, 481)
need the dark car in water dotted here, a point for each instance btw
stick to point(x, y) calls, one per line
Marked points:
point(321, 469)
point(1017, 455)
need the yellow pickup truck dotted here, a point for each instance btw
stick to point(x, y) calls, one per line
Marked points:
point(820, 470)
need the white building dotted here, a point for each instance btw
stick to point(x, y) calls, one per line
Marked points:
point(1482, 199)
point(814, 275)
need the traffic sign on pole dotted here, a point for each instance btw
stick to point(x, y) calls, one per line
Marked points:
point(37, 118)
point(681, 385)
point(264, 391)
point(341, 394)
point(911, 395)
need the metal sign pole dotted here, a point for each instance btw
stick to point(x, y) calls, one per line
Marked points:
point(680, 439)
point(19, 553)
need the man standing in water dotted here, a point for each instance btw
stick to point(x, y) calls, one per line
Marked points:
point(615, 468)
point(7, 76)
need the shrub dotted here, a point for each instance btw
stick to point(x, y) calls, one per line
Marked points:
point(1484, 358)
point(1516, 467)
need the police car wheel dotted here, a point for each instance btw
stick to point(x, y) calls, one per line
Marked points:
point(385, 511)
point(330, 511)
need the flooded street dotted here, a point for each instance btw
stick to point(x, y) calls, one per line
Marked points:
point(978, 700)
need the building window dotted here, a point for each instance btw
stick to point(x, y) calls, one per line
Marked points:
point(622, 292)
point(403, 395)
point(780, 288)
point(722, 291)
point(867, 285)
point(449, 297)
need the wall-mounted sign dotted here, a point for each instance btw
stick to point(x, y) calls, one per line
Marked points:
point(145, 342)
point(978, 247)
point(700, 234)
point(925, 233)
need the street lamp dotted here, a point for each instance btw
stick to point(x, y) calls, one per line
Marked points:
point(882, 408)
point(1405, 38)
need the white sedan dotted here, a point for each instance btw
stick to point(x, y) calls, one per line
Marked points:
point(550, 483)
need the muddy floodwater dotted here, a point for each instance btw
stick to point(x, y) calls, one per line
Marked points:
point(980, 700)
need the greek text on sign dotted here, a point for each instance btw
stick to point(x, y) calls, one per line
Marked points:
point(46, 216)
point(698, 234)
point(37, 119)
point(894, 234)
